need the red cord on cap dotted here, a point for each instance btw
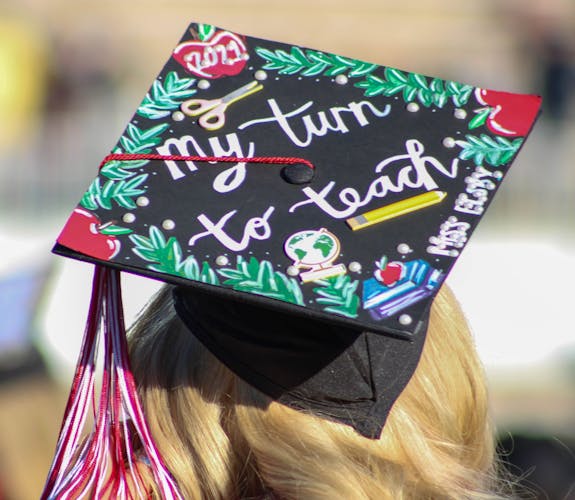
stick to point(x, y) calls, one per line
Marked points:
point(277, 160)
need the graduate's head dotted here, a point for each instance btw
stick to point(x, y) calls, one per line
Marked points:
point(222, 438)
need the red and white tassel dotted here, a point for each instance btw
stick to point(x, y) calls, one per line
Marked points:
point(104, 465)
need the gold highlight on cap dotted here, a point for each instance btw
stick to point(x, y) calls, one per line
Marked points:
point(396, 209)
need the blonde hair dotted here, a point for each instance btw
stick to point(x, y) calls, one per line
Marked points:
point(222, 439)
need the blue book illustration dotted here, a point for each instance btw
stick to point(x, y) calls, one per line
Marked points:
point(420, 280)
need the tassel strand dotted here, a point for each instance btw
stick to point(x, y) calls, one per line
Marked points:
point(105, 465)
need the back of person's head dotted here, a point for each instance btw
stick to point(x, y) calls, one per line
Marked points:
point(222, 439)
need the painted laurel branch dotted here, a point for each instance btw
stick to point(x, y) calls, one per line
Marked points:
point(166, 96)
point(495, 151)
point(119, 181)
point(312, 63)
point(411, 86)
point(337, 294)
point(166, 256)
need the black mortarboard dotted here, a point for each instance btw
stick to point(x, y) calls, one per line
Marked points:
point(317, 187)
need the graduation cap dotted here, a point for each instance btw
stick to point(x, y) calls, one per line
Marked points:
point(295, 184)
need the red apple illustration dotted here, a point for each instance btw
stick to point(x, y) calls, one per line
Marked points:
point(509, 114)
point(388, 273)
point(82, 233)
point(223, 54)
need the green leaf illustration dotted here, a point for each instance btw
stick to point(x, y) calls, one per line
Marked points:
point(459, 92)
point(312, 63)
point(120, 170)
point(121, 192)
point(479, 119)
point(495, 151)
point(165, 97)
point(338, 294)
point(133, 141)
point(413, 86)
point(121, 180)
point(114, 230)
point(206, 31)
point(165, 256)
point(260, 278)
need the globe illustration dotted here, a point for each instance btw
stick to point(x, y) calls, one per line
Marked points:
point(312, 248)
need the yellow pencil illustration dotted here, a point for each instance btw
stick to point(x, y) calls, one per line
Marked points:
point(396, 209)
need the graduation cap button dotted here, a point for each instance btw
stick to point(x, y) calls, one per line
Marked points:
point(297, 173)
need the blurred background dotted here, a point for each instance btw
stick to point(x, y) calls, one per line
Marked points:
point(72, 74)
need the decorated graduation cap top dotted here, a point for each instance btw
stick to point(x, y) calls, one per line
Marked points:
point(299, 179)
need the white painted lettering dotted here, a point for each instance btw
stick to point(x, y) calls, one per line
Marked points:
point(413, 174)
point(418, 164)
point(257, 228)
point(227, 180)
point(322, 124)
point(184, 146)
point(356, 109)
point(452, 235)
point(467, 205)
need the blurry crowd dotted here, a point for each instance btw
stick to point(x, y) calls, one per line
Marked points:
point(68, 83)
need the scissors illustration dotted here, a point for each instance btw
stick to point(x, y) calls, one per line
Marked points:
point(213, 110)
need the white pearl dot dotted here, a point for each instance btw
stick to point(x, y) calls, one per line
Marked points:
point(341, 79)
point(142, 201)
point(404, 248)
point(292, 271)
point(178, 116)
point(412, 107)
point(260, 75)
point(222, 260)
point(449, 142)
point(460, 114)
point(405, 319)
point(168, 224)
point(128, 218)
point(204, 84)
point(354, 267)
